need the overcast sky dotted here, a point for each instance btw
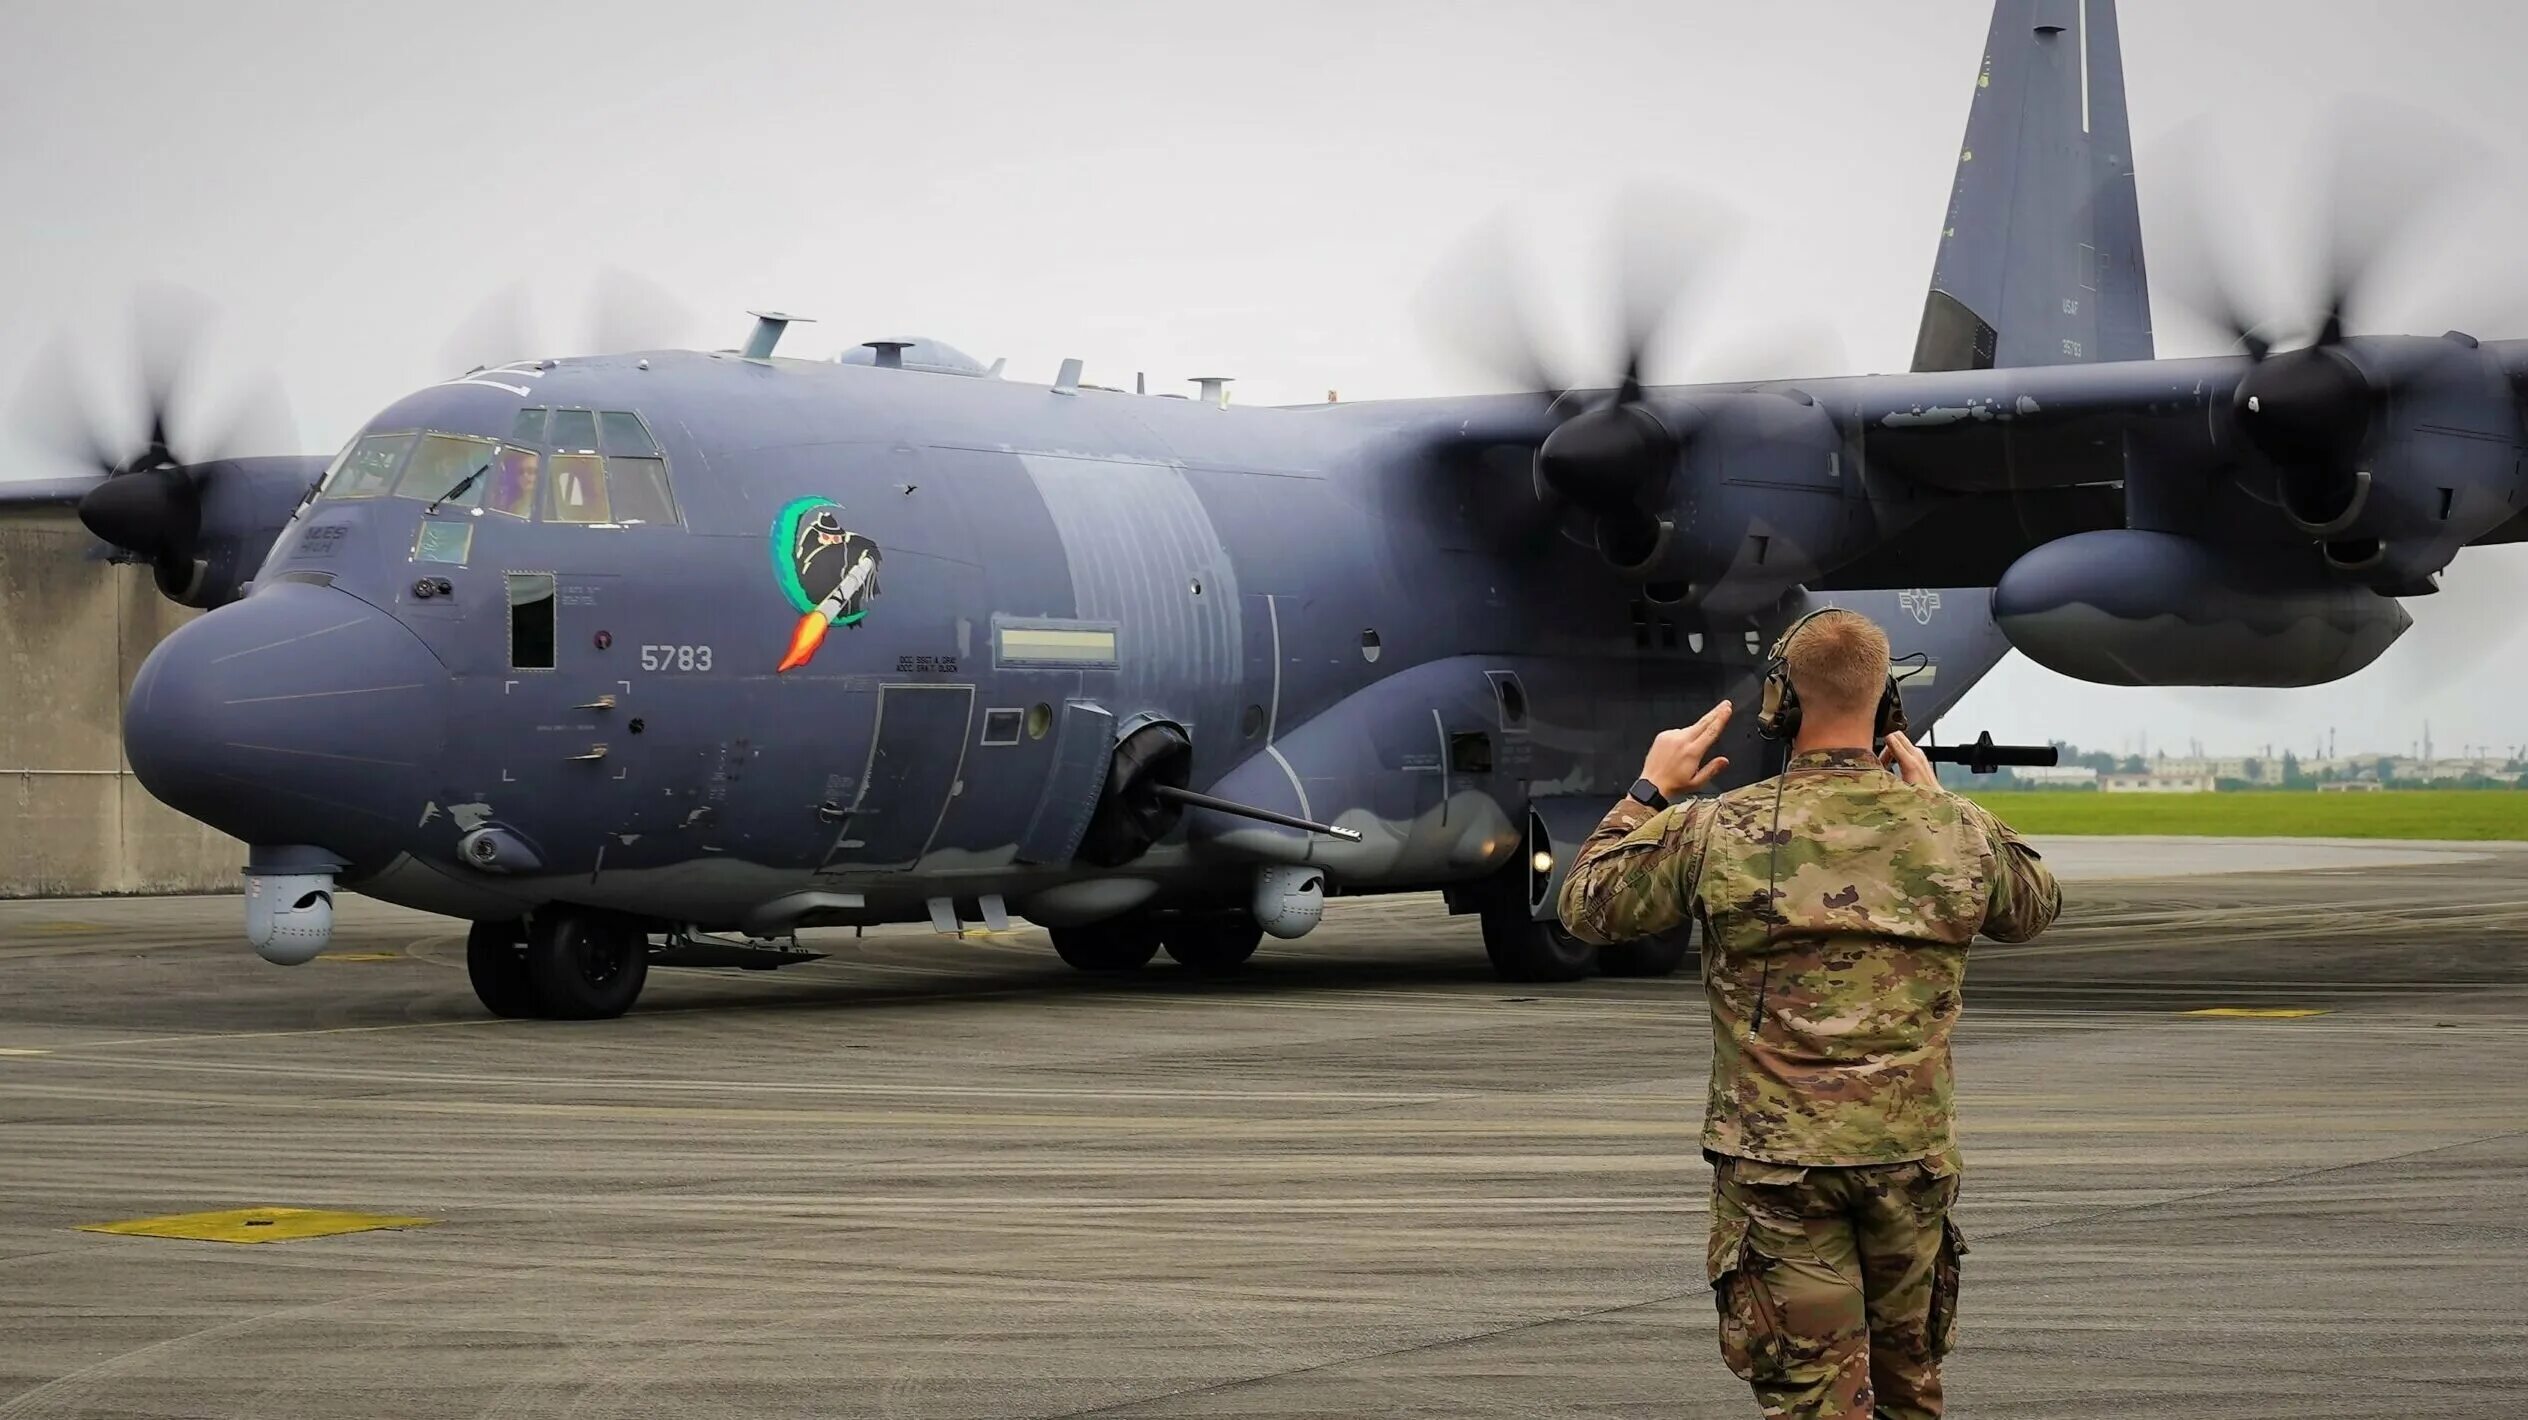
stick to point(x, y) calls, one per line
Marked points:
point(1264, 191)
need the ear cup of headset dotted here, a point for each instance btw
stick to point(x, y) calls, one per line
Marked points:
point(1891, 711)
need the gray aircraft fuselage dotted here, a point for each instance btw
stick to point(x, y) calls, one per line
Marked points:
point(1330, 618)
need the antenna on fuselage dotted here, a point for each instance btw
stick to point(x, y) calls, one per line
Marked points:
point(768, 328)
point(890, 354)
point(1215, 389)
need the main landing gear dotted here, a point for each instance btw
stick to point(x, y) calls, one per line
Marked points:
point(1213, 943)
point(1523, 949)
point(560, 964)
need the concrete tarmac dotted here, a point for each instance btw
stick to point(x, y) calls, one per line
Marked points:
point(935, 1178)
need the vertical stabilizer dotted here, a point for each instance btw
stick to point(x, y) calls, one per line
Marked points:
point(2041, 260)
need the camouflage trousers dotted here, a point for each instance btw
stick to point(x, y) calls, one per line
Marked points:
point(1837, 1287)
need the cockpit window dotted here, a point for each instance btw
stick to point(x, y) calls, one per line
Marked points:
point(623, 434)
point(442, 461)
point(640, 491)
point(513, 483)
point(601, 466)
point(574, 432)
point(370, 470)
point(575, 489)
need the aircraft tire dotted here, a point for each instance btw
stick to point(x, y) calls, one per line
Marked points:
point(1526, 950)
point(1212, 945)
point(497, 966)
point(585, 967)
point(1651, 956)
point(1116, 945)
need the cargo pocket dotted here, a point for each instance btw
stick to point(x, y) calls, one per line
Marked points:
point(1944, 1277)
point(1750, 1324)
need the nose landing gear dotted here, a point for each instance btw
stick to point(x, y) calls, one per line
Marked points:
point(561, 964)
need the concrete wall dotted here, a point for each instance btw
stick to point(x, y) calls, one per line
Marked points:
point(73, 631)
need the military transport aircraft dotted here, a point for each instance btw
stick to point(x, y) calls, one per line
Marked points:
point(608, 654)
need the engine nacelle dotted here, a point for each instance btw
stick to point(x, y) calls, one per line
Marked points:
point(2389, 452)
point(2144, 608)
point(1756, 503)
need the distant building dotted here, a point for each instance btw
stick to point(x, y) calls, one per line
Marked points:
point(2059, 776)
point(2266, 770)
point(2352, 786)
point(2157, 783)
point(2439, 771)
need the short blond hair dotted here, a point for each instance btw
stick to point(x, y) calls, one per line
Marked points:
point(1838, 663)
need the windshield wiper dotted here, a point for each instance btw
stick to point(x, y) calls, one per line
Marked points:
point(461, 485)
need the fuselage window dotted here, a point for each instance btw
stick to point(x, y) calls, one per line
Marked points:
point(575, 488)
point(371, 469)
point(512, 488)
point(531, 621)
point(442, 461)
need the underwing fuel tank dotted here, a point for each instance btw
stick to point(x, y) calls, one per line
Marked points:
point(2125, 607)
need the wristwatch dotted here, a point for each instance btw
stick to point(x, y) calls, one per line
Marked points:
point(1647, 793)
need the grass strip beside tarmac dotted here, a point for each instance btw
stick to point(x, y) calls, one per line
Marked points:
point(2394, 813)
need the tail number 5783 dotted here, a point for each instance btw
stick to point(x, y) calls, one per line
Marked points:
point(675, 658)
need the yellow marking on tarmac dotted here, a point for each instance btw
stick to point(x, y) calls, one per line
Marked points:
point(62, 927)
point(360, 956)
point(20, 1050)
point(256, 1225)
point(2258, 1013)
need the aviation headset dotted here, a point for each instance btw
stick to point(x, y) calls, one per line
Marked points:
point(1778, 714)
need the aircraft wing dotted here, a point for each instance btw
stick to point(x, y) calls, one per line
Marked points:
point(34, 491)
point(1970, 541)
point(2057, 426)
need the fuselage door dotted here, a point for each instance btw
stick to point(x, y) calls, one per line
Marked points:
point(915, 759)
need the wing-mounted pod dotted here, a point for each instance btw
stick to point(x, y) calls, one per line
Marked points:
point(2126, 607)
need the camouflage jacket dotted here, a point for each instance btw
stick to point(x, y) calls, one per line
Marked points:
point(1837, 902)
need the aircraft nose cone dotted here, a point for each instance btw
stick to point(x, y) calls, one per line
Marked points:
point(299, 715)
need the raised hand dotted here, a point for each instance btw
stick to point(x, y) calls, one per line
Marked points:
point(1908, 763)
point(1675, 763)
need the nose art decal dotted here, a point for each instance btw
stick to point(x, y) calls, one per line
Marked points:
point(829, 573)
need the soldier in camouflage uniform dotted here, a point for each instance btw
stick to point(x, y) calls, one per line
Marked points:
point(1837, 901)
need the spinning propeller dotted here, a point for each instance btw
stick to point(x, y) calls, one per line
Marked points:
point(2312, 411)
point(1604, 453)
point(155, 465)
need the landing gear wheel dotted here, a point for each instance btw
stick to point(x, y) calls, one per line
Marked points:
point(1119, 944)
point(1526, 950)
point(1651, 956)
point(586, 967)
point(496, 962)
point(1213, 945)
